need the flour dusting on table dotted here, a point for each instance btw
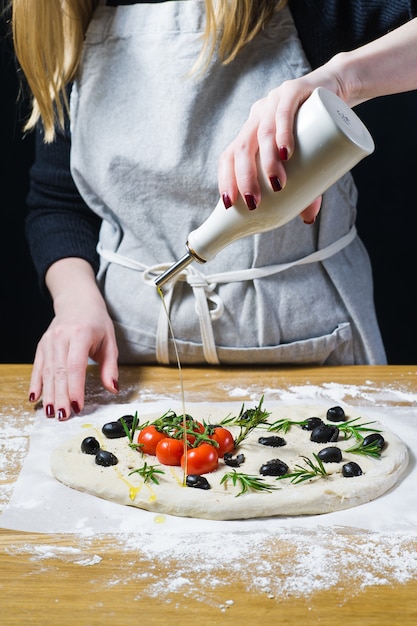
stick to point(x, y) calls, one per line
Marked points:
point(196, 565)
point(368, 393)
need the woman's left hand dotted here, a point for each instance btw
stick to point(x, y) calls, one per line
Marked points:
point(267, 138)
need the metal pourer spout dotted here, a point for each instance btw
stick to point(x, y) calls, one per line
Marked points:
point(174, 269)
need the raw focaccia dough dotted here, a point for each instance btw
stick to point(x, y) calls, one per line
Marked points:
point(318, 495)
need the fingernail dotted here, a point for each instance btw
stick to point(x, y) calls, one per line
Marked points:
point(32, 397)
point(226, 201)
point(50, 411)
point(250, 201)
point(61, 415)
point(309, 222)
point(75, 407)
point(275, 183)
point(283, 153)
point(115, 385)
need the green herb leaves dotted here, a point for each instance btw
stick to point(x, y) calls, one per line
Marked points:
point(300, 474)
point(246, 482)
point(247, 421)
point(148, 472)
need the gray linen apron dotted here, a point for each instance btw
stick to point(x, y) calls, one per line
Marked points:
point(146, 138)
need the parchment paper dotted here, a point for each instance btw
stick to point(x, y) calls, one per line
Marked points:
point(41, 504)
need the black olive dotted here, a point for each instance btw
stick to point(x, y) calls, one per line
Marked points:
point(311, 423)
point(330, 455)
point(351, 469)
point(248, 415)
point(105, 458)
point(324, 433)
point(90, 445)
point(231, 462)
point(336, 414)
point(275, 467)
point(374, 438)
point(128, 420)
point(113, 430)
point(197, 481)
point(274, 441)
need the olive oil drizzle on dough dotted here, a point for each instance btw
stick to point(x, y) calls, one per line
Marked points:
point(181, 386)
point(133, 491)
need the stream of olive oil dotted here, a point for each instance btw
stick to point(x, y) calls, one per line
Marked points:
point(184, 417)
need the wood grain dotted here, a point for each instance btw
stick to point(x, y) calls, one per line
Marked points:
point(57, 590)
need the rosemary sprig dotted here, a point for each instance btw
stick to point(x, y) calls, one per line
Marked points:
point(247, 482)
point(300, 474)
point(147, 472)
point(130, 431)
point(173, 426)
point(197, 437)
point(371, 449)
point(247, 421)
point(350, 430)
point(167, 423)
point(168, 420)
point(284, 425)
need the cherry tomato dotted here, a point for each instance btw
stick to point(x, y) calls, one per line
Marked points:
point(169, 451)
point(148, 439)
point(225, 440)
point(201, 460)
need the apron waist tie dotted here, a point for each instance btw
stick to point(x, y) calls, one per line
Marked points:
point(208, 305)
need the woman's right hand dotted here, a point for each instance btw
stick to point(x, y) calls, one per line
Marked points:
point(81, 328)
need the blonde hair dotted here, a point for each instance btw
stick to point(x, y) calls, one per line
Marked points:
point(48, 37)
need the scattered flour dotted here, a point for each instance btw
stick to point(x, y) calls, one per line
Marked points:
point(198, 566)
point(368, 393)
point(14, 444)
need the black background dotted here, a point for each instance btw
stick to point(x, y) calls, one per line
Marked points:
point(387, 223)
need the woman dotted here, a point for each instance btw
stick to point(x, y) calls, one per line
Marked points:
point(151, 111)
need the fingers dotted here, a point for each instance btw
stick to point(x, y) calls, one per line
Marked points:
point(309, 214)
point(265, 141)
point(273, 150)
point(36, 378)
point(227, 180)
point(285, 102)
point(240, 164)
point(106, 356)
point(237, 173)
point(59, 373)
point(59, 369)
point(255, 154)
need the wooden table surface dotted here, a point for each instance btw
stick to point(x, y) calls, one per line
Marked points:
point(55, 590)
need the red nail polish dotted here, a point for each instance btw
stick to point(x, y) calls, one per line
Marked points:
point(32, 397)
point(250, 201)
point(283, 153)
point(61, 415)
point(226, 201)
point(275, 183)
point(115, 385)
point(75, 407)
point(50, 411)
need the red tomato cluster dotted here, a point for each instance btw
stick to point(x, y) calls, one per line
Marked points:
point(202, 457)
point(148, 439)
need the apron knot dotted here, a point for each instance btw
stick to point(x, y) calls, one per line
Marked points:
point(208, 304)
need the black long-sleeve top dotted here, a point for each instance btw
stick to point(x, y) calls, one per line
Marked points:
point(60, 225)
